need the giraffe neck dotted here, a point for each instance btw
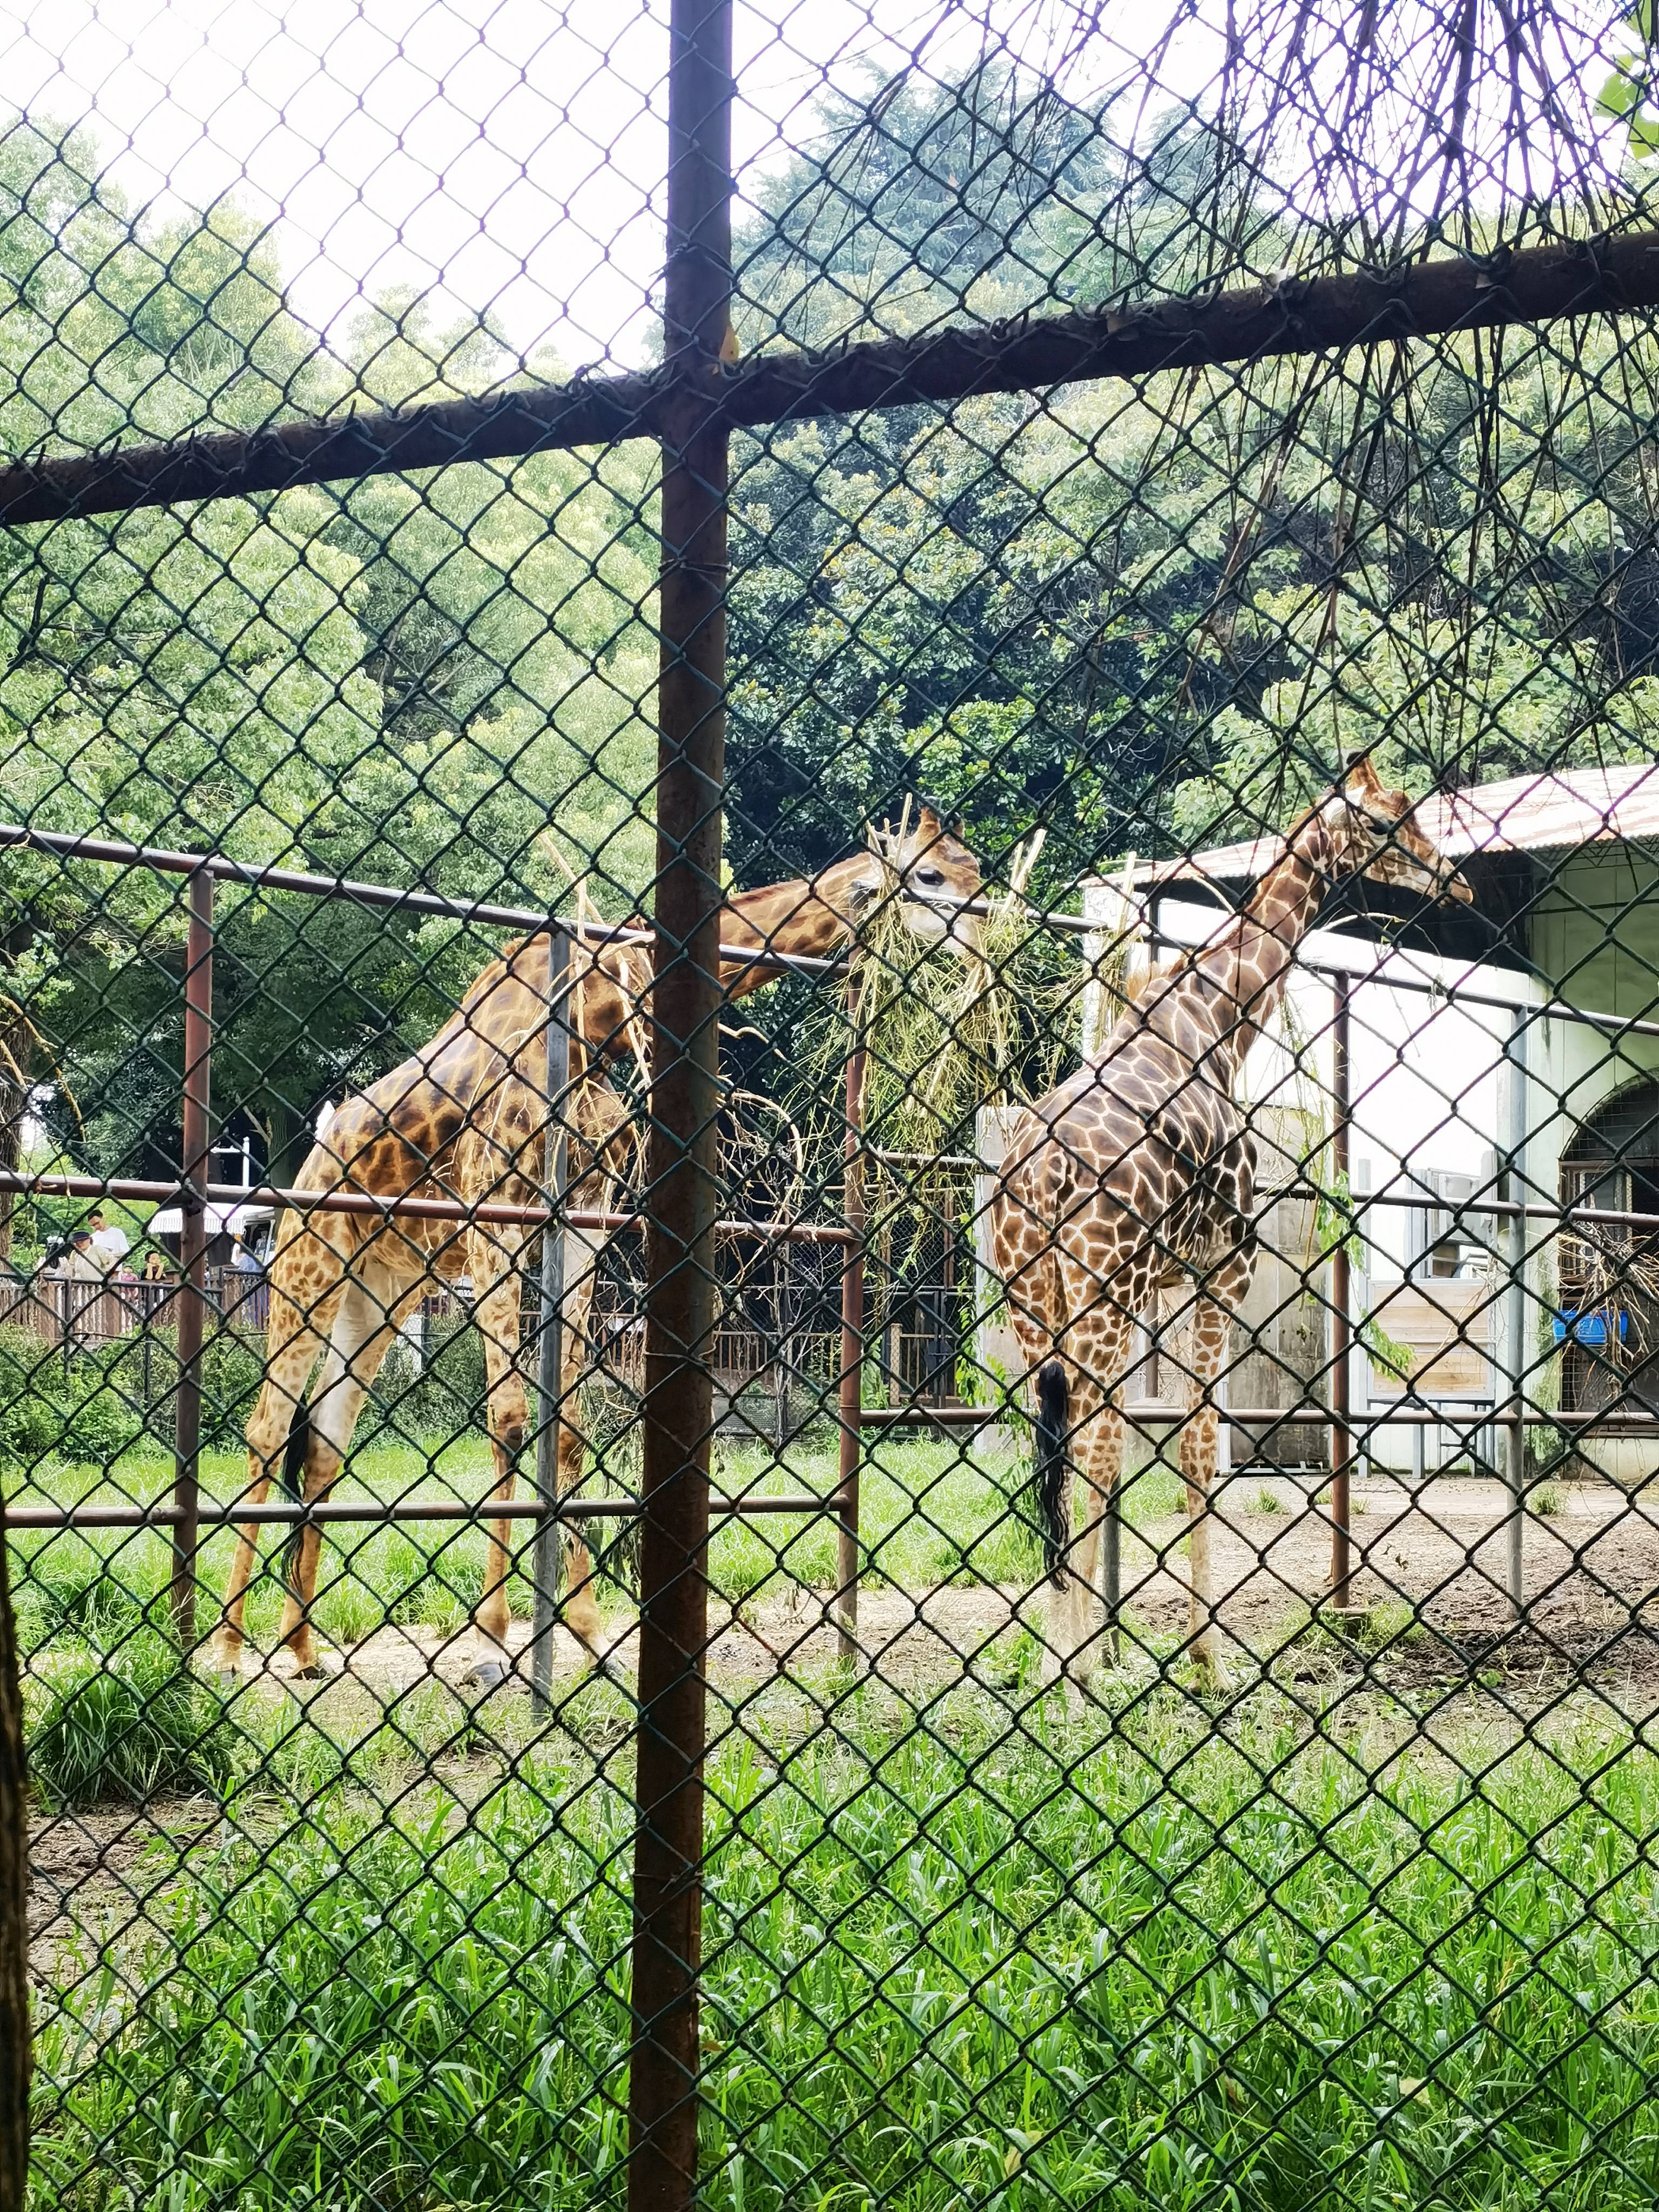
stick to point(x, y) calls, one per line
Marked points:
point(1250, 960)
point(809, 916)
point(812, 916)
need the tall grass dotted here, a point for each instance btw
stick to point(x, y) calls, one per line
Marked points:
point(126, 1722)
point(1145, 1970)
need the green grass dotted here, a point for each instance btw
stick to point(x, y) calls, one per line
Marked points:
point(933, 1511)
point(1122, 1964)
point(1151, 1958)
point(121, 1722)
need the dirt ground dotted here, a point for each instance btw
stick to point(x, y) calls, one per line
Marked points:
point(1591, 1574)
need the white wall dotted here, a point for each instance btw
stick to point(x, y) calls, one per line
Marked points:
point(1426, 1078)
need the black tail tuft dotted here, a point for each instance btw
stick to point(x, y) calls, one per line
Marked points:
point(292, 1479)
point(1053, 1420)
point(293, 1476)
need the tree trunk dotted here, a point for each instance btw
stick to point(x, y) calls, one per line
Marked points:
point(15, 1041)
point(287, 1140)
point(13, 1920)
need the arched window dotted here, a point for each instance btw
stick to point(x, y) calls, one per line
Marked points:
point(1614, 1159)
point(1612, 1164)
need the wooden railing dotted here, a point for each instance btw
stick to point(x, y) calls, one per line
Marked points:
point(85, 1314)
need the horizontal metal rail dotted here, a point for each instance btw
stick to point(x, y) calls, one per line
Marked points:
point(1311, 1415)
point(364, 1202)
point(70, 845)
point(1511, 1209)
point(370, 1512)
point(923, 1159)
point(1606, 276)
point(294, 1513)
point(1455, 995)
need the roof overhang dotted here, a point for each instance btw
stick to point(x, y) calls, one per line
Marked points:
point(1504, 836)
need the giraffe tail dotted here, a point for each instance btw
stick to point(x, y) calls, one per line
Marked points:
point(293, 1477)
point(1052, 1421)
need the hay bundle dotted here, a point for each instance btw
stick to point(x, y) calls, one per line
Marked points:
point(947, 1031)
point(1615, 1271)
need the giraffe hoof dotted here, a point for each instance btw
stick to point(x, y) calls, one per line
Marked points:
point(607, 1668)
point(484, 1675)
point(314, 1671)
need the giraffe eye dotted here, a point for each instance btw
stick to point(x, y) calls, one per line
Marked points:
point(931, 879)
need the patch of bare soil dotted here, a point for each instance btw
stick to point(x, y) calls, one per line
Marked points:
point(1430, 1581)
point(85, 1867)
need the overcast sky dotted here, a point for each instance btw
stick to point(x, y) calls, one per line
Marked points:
point(508, 153)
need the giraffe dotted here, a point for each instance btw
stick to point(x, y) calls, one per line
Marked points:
point(467, 1117)
point(1137, 1175)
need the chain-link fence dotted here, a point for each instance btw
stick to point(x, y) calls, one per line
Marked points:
point(829, 1103)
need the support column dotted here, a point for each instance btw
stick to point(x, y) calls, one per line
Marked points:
point(1510, 1386)
point(852, 1341)
point(1341, 1598)
point(549, 1348)
point(195, 1170)
point(683, 1158)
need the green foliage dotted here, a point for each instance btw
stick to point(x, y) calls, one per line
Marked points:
point(1628, 93)
point(445, 1399)
point(408, 679)
point(92, 1409)
point(120, 1718)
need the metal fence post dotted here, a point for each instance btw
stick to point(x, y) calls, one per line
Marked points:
point(683, 1164)
point(1515, 1308)
point(549, 1346)
point(1341, 1598)
point(195, 1167)
point(851, 1342)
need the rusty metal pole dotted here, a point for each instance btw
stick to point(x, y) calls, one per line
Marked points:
point(1341, 1596)
point(852, 1341)
point(550, 1345)
point(682, 1208)
point(1513, 1333)
point(15, 2054)
point(196, 1171)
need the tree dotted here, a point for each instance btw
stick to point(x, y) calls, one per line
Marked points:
point(409, 682)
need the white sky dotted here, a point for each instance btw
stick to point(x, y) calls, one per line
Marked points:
point(506, 153)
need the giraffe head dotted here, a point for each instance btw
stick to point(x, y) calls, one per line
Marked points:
point(928, 870)
point(1373, 832)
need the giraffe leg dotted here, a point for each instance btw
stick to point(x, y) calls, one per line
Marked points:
point(495, 1256)
point(1032, 1286)
point(362, 1333)
point(1097, 1344)
point(1210, 1342)
point(305, 1298)
point(1100, 1462)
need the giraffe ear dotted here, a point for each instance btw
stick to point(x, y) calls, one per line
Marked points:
point(1363, 779)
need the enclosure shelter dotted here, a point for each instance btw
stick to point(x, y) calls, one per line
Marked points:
point(898, 1516)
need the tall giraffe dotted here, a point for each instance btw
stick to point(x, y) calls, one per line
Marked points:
point(1137, 1175)
point(467, 1117)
